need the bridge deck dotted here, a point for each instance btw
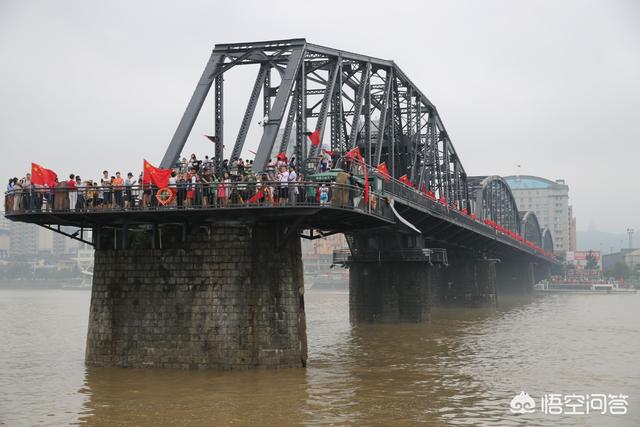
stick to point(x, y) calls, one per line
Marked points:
point(345, 210)
point(45, 207)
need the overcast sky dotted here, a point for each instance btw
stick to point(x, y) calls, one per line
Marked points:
point(553, 86)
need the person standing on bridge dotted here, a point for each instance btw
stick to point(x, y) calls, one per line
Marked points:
point(81, 189)
point(118, 184)
point(323, 192)
point(293, 185)
point(324, 164)
point(8, 205)
point(206, 188)
point(17, 194)
point(129, 182)
point(224, 190)
point(26, 192)
point(105, 183)
point(283, 178)
point(73, 193)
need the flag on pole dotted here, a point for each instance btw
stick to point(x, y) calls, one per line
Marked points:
point(42, 176)
point(354, 153)
point(383, 170)
point(256, 197)
point(211, 138)
point(366, 182)
point(315, 137)
point(153, 175)
point(405, 180)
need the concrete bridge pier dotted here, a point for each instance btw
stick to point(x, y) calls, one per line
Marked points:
point(389, 292)
point(467, 283)
point(216, 296)
point(515, 277)
point(397, 291)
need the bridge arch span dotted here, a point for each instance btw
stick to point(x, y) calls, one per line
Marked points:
point(547, 240)
point(493, 199)
point(530, 227)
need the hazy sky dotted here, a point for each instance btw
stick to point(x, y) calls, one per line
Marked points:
point(553, 86)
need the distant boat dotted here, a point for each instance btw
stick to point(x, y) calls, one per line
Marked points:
point(600, 287)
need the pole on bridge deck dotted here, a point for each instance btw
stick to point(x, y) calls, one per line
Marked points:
point(219, 121)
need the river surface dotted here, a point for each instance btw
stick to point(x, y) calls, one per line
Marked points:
point(461, 369)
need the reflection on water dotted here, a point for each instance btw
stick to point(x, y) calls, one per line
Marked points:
point(463, 368)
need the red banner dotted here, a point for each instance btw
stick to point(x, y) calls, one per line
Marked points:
point(405, 180)
point(42, 176)
point(384, 171)
point(315, 137)
point(153, 175)
point(256, 197)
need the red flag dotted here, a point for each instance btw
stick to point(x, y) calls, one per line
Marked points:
point(256, 197)
point(366, 185)
point(154, 175)
point(354, 153)
point(405, 180)
point(383, 170)
point(282, 156)
point(42, 176)
point(329, 153)
point(315, 137)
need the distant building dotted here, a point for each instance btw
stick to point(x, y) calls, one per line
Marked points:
point(632, 259)
point(579, 258)
point(572, 230)
point(318, 254)
point(610, 260)
point(4, 237)
point(31, 240)
point(23, 240)
point(550, 202)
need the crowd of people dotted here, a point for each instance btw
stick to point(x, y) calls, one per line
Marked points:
point(192, 183)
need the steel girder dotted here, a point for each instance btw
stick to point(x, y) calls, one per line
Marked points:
point(370, 103)
point(494, 200)
point(547, 240)
point(531, 227)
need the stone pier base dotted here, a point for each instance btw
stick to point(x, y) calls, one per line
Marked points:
point(220, 297)
point(515, 278)
point(467, 283)
point(389, 292)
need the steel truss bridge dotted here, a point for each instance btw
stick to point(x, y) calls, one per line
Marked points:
point(353, 100)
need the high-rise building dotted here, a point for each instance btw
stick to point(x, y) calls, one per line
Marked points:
point(23, 239)
point(4, 236)
point(550, 202)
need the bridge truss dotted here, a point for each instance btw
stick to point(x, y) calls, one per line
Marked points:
point(351, 99)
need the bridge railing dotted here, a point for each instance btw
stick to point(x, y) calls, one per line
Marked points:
point(217, 195)
point(429, 255)
point(413, 195)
